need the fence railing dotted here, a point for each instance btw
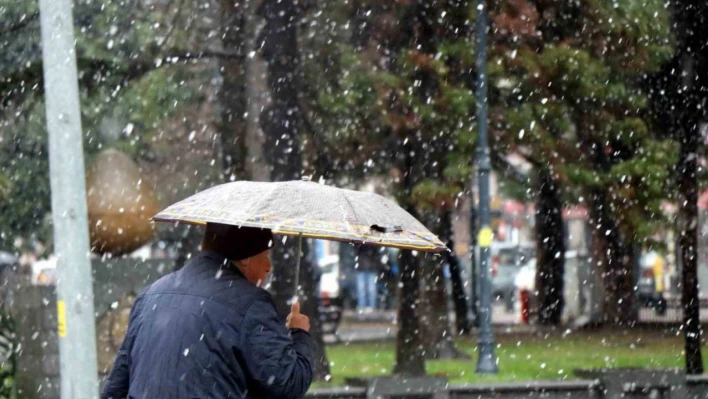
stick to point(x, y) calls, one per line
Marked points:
point(615, 384)
point(671, 313)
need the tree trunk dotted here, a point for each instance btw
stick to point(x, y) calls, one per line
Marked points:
point(232, 124)
point(613, 257)
point(612, 252)
point(688, 234)
point(233, 98)
point(463, 325)
point(409, 352)
point(347, 261)
point(280, 123)
point(550, 250)
point(438, 338)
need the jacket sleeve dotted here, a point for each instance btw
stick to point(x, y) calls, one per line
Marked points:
point(278, 362)
point(117, 383)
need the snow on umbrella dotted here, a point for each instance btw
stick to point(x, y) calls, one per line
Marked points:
point(305, 209)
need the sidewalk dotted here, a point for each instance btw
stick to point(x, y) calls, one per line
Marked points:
point(381, 325)
point(499, 316)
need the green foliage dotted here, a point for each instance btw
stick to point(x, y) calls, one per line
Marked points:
point(127, 93)
point(509, 188)
point(24, 162)
point(574, 102)
point(433, 194)
point(566, 92)
point(388, 93)
point(5, 186)
point(139, 109)
point(23, 44)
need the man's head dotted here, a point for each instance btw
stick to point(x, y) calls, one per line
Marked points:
point(245, 247)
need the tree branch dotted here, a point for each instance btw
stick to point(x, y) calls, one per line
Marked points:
point(202, 54)
point(175, 18)
point(19, 25)
point(131, 70)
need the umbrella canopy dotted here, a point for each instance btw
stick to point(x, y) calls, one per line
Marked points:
point(306, 209)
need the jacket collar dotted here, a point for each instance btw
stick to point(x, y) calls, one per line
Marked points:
point(215, 257)
point(218, 260)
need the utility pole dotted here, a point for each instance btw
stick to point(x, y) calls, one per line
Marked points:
point(487, 363)
point(75, 312)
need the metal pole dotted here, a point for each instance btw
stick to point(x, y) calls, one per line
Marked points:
point(474, 275)
point(75, 311)
point(297, 267)
point(487, 363)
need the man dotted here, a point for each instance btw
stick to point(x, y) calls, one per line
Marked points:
point(210, 331)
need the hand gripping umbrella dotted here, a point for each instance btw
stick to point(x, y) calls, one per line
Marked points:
point(306, 209)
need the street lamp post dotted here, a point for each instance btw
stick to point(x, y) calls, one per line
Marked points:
point(487, 363)
point(474, 294)
point(75, 310)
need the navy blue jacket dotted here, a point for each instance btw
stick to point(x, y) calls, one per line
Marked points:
point(206, 332)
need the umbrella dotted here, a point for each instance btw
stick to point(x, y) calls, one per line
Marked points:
point(306, 209)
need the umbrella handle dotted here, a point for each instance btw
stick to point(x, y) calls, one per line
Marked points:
point(297, 268)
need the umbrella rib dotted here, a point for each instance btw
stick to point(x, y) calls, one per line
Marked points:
point(353, 211)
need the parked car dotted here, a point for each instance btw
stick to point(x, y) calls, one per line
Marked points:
point(506, 261)
point(8, 264)
point(47, 276)
point(331, 293)
point(7, 259)
point(44, 271)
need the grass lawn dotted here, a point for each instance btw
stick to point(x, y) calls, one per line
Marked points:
point(552, 356)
